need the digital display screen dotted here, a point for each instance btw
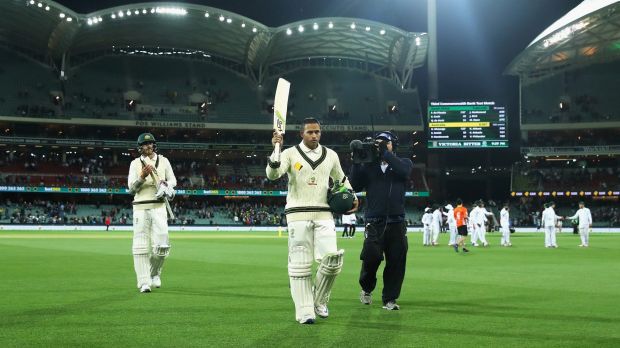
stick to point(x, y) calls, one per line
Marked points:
point(477, 124)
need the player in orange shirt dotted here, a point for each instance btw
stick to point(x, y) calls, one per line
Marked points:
point(460, 215)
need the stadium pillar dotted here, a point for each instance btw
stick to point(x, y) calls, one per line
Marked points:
point(433, 85)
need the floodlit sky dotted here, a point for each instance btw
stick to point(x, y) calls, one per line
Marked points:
point(476, 38)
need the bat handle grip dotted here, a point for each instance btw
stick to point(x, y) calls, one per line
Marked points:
point(276, 151)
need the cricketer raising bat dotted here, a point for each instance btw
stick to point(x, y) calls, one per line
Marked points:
point(280, 105)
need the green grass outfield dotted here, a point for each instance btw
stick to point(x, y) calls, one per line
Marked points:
point(231, 289)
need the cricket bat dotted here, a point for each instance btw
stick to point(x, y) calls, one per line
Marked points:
point(280, 105)
point(155, 178)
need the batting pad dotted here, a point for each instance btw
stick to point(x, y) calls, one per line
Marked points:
point(160, 253)
point(300, 274)
point(329, 268)
point(142, 266)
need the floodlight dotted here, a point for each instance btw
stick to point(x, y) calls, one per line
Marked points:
point(315, 26)
point(300, 29)
point(330, 25)
point(289, 31)
point(382, 32)
point(61, 15)
point(352, 25)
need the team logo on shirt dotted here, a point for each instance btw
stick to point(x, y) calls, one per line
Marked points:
point(298, 166)
point(312, 181)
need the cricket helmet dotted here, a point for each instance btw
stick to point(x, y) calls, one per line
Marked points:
point(146, 138)
point(340, 199)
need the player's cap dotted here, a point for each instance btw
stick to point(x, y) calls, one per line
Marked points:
point(449, 207)
point(426, 210)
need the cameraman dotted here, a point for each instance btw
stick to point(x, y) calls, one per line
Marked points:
point(386, 229)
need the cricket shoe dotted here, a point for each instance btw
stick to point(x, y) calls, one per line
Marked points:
point(145, 288)
point(156, 281)
point(485, 244)
point(365, 297)
point(456, 247)
point(307, 319)
point(321, 311)
point(391, 306)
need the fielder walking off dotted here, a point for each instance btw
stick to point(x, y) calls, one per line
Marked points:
point(427, 219)
point(451, 220)
point(311, 228)
point(504, 222)
point(549, 221)
point(151, 181)
point(585, 224)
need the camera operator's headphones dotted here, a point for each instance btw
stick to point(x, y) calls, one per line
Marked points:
point(388, 136)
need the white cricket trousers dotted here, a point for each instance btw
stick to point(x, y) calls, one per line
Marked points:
point(452, 234)
point(550, 236)
point(584, 233)
point(308, 240)
point(435, 229)
point(150, 229)
point(426, 238)
point(505, 235)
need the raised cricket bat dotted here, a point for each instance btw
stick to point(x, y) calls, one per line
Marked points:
point(155, 178)
point(280, 105)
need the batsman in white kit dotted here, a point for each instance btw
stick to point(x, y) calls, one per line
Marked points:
point(151, 181)
point(311, 228)
point(585, 224)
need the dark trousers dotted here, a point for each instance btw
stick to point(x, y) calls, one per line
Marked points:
point(389, 242)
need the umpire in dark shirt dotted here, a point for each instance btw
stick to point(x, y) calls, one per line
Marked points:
point(386, 230)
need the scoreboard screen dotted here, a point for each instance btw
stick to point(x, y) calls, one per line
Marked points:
point(467, 125)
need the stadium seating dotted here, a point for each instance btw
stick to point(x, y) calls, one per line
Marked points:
point(26, 87)
point(585, 95)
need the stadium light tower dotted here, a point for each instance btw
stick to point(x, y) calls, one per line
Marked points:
point(433, 86)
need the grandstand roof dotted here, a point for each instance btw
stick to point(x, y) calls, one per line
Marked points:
point(586, 35)
point(49, 31)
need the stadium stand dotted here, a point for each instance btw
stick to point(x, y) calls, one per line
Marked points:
point(569, 114)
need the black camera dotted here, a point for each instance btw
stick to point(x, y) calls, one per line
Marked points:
point(364, 151)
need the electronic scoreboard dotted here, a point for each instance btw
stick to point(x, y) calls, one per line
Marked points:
point(467, 125)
